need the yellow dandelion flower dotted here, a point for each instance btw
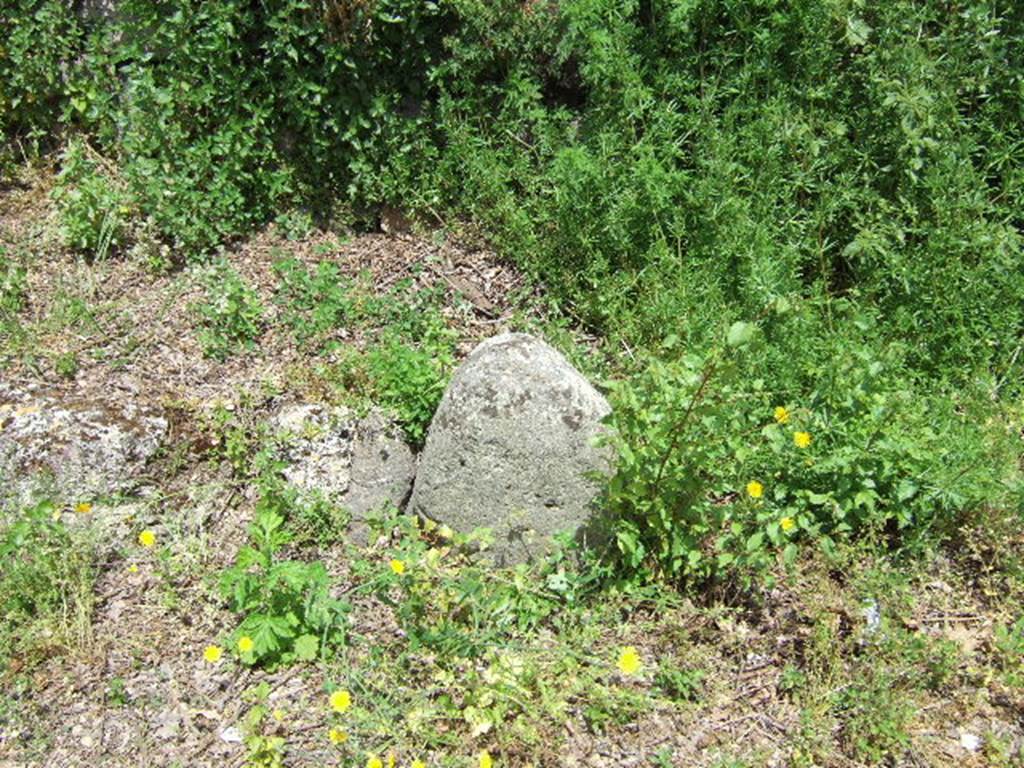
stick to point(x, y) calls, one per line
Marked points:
point(374, 762)
point(755, 490)
point(418, 764)
point(245, 644)
point(133, 568)
point(147, 538)
point(781, 414)
point(341, 701)
point(391, 760)
point(485, 759)
point(801, 439)
point(83, 507)
point(398, 567)
point(213, 653)
point(337, 736)
point(629, 661)
point(787, 524)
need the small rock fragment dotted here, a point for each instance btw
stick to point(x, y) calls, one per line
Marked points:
point(969, 741)
point(360, 464)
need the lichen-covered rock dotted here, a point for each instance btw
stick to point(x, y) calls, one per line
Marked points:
point(73, 447)
point(511, 448)
point(360, 464)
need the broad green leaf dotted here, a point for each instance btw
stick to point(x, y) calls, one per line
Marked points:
point(306, 647)
point(740, 333)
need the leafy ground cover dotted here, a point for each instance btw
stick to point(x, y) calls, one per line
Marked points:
point(162, 639)
point(784, 237)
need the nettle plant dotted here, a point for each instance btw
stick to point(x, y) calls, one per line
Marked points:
point(670, 427)
point(718, 475)
point(287, 610)
point(232, 314)
point(313, 302)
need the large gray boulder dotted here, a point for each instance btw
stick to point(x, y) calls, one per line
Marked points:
point(511, 448)
point(362, 464)
point(73, 448)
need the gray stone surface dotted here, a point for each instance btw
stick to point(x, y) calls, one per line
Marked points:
point(361, 464)
point(74, 448)
point(511, 447)
point(98, 10)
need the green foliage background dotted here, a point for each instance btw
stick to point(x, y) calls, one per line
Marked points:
point(665, 167)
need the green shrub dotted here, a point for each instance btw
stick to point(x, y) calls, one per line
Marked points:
point(406, 368)
point(232, 314)
point(717, 475)
point(46, 586)
point(408, 381)
point(92, 202)
point(39, 40)
point(671, 428)
point(650, 161)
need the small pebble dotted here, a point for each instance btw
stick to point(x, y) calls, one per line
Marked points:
point(970, 742)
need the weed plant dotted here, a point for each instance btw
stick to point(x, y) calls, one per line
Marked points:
point(46, 586)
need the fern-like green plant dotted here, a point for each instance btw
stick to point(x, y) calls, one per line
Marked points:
point(287, 611)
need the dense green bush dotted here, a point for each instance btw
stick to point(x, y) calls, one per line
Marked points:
point(718, 474)
point(38, 40)
point(221, 114)
point(693, 158)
